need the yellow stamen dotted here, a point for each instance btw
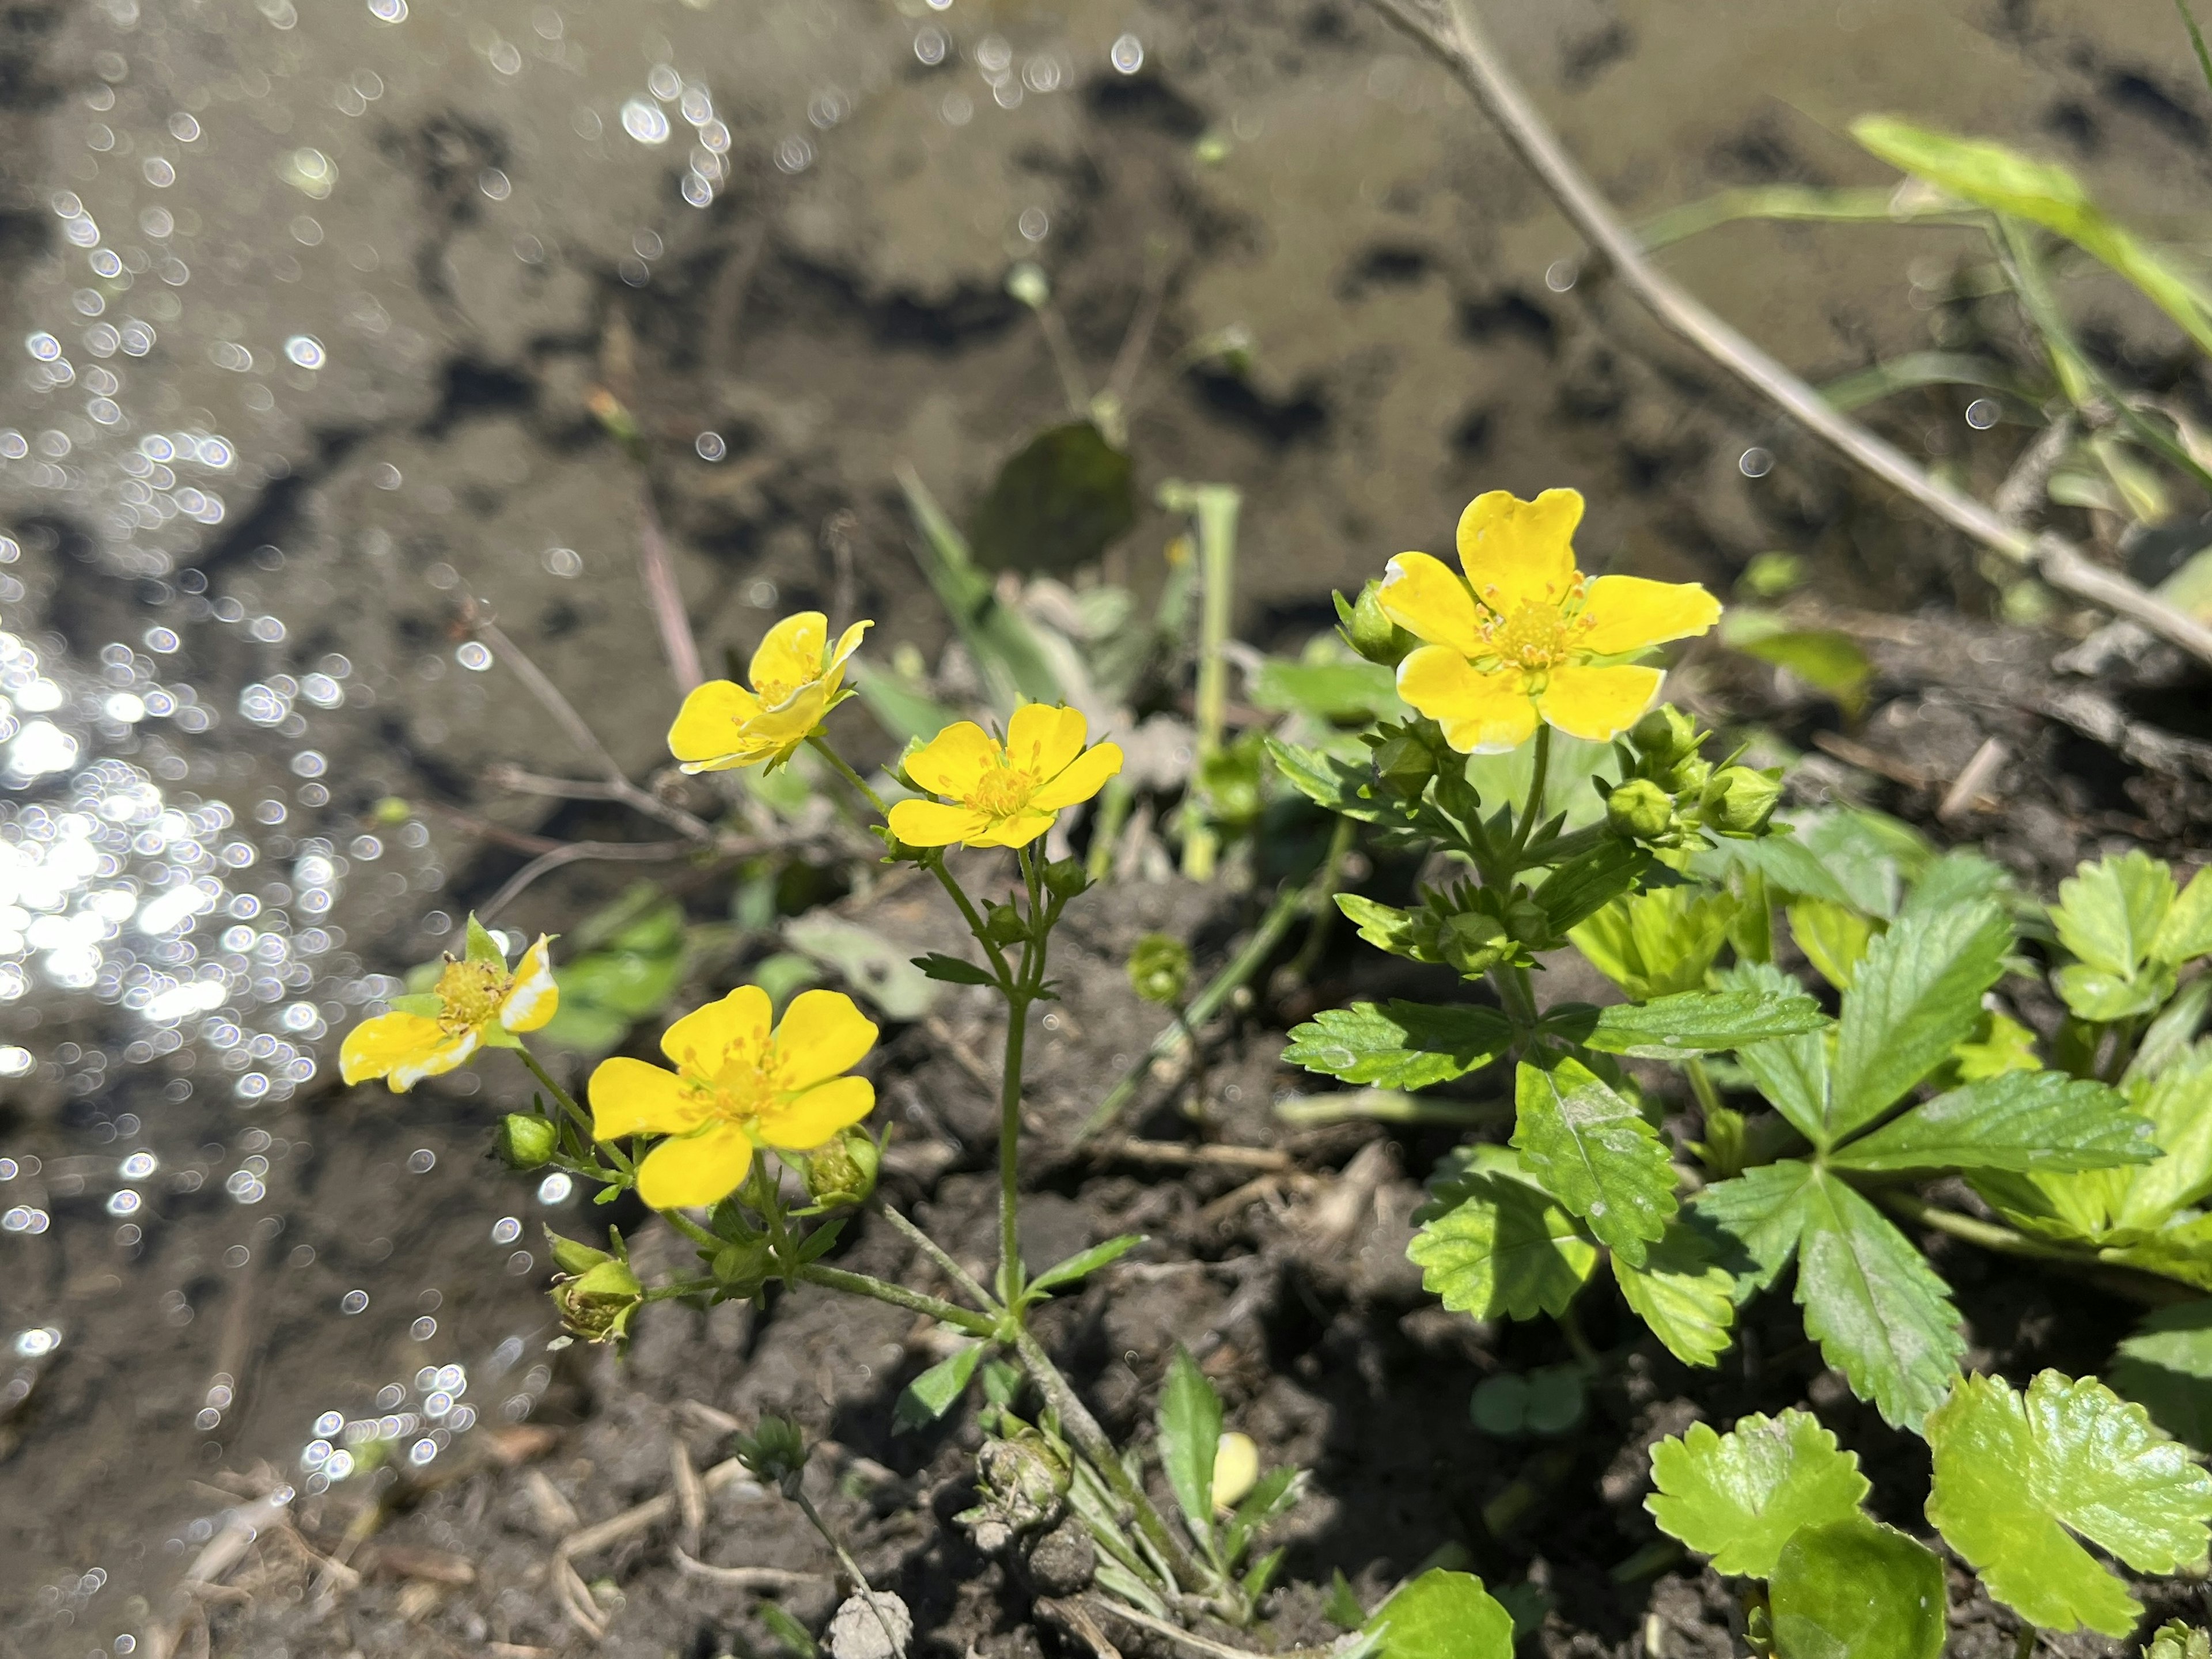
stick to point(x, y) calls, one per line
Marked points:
point(1002, 791)
point(470, 992)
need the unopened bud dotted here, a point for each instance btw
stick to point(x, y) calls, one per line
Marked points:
point(526, 1141)
point(598, 1303)
point(1003, 925)
point(1160, 968)
point(1664, 734)
point(1372, 633)
point(775, 1454)
point(571, 1256)
point(1473, 942)
point(1738, 801)
point(843, 1171)
point(1066, 878)
point(1640, 810)
point(1404, 764)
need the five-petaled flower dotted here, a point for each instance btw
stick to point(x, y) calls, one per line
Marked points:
point(1002, 794)
point(476, 1002)
point(737, 1086)
point(1525, 634)
point(798, 677)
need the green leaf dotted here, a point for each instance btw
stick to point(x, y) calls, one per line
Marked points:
point(1739, 1497)
point(2186, 932)
point(2179, 1103)
point(2099, 993)
point(1593, 1151)
point(1833, 938)
point(1335, 784)
point(2024, 1120)
point(2014, 1473)
point(1580, 887)
point(1683, 1293)
point(1006, 651)
point(1383, 926)
point(876, 970)
point(1787, 865)
point(428, 1005)
point(1491, 1241)
point(953, 970)
point(1689, 1022)
point(1658, 942)
point(1063, 499)
point(1829, 662)
point(936, 1390)
point(1402, 1045)
point(1762, 1212)
point(482, 946)
point(1791, 1072)
point(1189, 1421)
point(2174, 1639)
point(1083, 1263)
point(2165, 1367)
point(1878, 1311)
point(1854, 1589)
point(1271, 1497)
point(2009, 1046)
point(1352, 690)
point(2109, 912)
point(1918, 993)
point(1442, 1615)
point(2003, 180)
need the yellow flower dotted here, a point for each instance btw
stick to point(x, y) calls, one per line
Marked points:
point(475, 1002)
point(1002, 795)
point(737, 1086)
point(796, 679)
point(1523, 635)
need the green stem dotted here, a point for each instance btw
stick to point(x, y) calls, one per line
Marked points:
point(1701, 1084)
point(1537, 786)
point(934, 861)
point(561, 1096)
point(821, 746)
point(936, 1252)
point(1010, 1149)
point(692, 1231)
point(1215, 507)
point(1518, 996)
point(836, 1278)
point(852, 1567)
point(1324, 889)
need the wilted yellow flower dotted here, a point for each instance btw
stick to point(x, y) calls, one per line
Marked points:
point(798, 678)
point(737, 1086)
point(1002, 794)
point(1524, 635)
point(476, 1002)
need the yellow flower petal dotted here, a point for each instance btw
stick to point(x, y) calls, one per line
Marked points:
point(375, 1046)
point(630, 1097)
point(1626, 613)
point(1015, 830)
point(452, 1053)
point(847, 643)
point(791, 656)
point(951, 763)
point(1041, 740)
point(807, 1120)
point(710, 725)
point(1481, 713)
point(1423, 596)
point(696, 1170)
point(703, 1039)
point(1084, 777)
point(934, 824)
point(822, 1034)
point(1598, 704)
point(533, 998)
point(1517, 552)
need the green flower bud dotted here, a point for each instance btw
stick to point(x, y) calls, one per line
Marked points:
point(1687, 776)
point(1160, 968)
point(741, 1269)
point(775, 1454)
point(1473, 942)
point(1738, 801)
point(844, 1170)
point(1404, 764)
point(572, 1257)
point(1003, 925)
point(391, 811)
point(1372, 633)
point(1664, 734)
point(526, 1141)
point(1066, 878)
point(598, 1303)
point(1640, 810)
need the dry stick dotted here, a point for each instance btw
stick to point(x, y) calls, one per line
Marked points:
point(1457, 40)
point(516, 781)
point(658, 572)
point(644, 852)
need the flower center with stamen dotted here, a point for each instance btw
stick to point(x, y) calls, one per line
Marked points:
point(1534, 638)
point(470, 993)
point(1002, 791)
point(738, 1090)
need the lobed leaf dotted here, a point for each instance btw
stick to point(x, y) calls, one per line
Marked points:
point(1854, 1589)
point(2109, 912)
point(1580, 888)
point(1878, 1311)
point(1400, 1045)
point(1190, 1422)
point(1690, 1021)
point(1335, 784)
point(1762, 1212)
point(2165, 1367)
point(1833, 937)
point(2015, 1474)
point(2021, 1120)
point(2186, 932)
point(1442, 1615)
point(1917, 994)
point(1593, 1151)
point(1491, 1241)
point(1683, 1293)
point(1739, 1497)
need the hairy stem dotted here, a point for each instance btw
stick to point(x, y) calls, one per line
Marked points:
point(821, 746)
point(562, 1098)
point(1538, 783)
point(836, 1278)
point(936, 1252)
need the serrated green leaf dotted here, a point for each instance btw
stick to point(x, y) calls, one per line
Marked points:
point(1683, 1293)
point(1491, 1242)
point(1917, 994)
point(1739, 1497)
point(1787, 865)
point(2099, 993)
point(2022, 1120)
point(1333, 783)
point(1190, 1423)
point(2174, 1639)
point(1083, 1263)
point(2186, 932)
point(1353, 690)
point(953, 970)
point(2136, 1202)
point(1658, 942)
point(1383, 926)
point(2109, 912)
point(1762, 1212)
point(1578, 888)
point(1593, 1151)
point(2009, 1046)
point(1878, 1311)
point(1833, 938)
point(1854, 1589)
point(1400, 1045)
point(2014, 1473)
point(2165, 1367)
point(1442, 1615)
point(1689, 1022)
point(1791, 1072)
point(936, 1390)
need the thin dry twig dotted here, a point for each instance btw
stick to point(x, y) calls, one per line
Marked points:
point(1178, 1153)
point(1457, 40)
point(658, 572)
point(751, 1578)
point(513, 779)
point(1968, 793)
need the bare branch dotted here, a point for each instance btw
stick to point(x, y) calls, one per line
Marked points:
point(658, 572)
